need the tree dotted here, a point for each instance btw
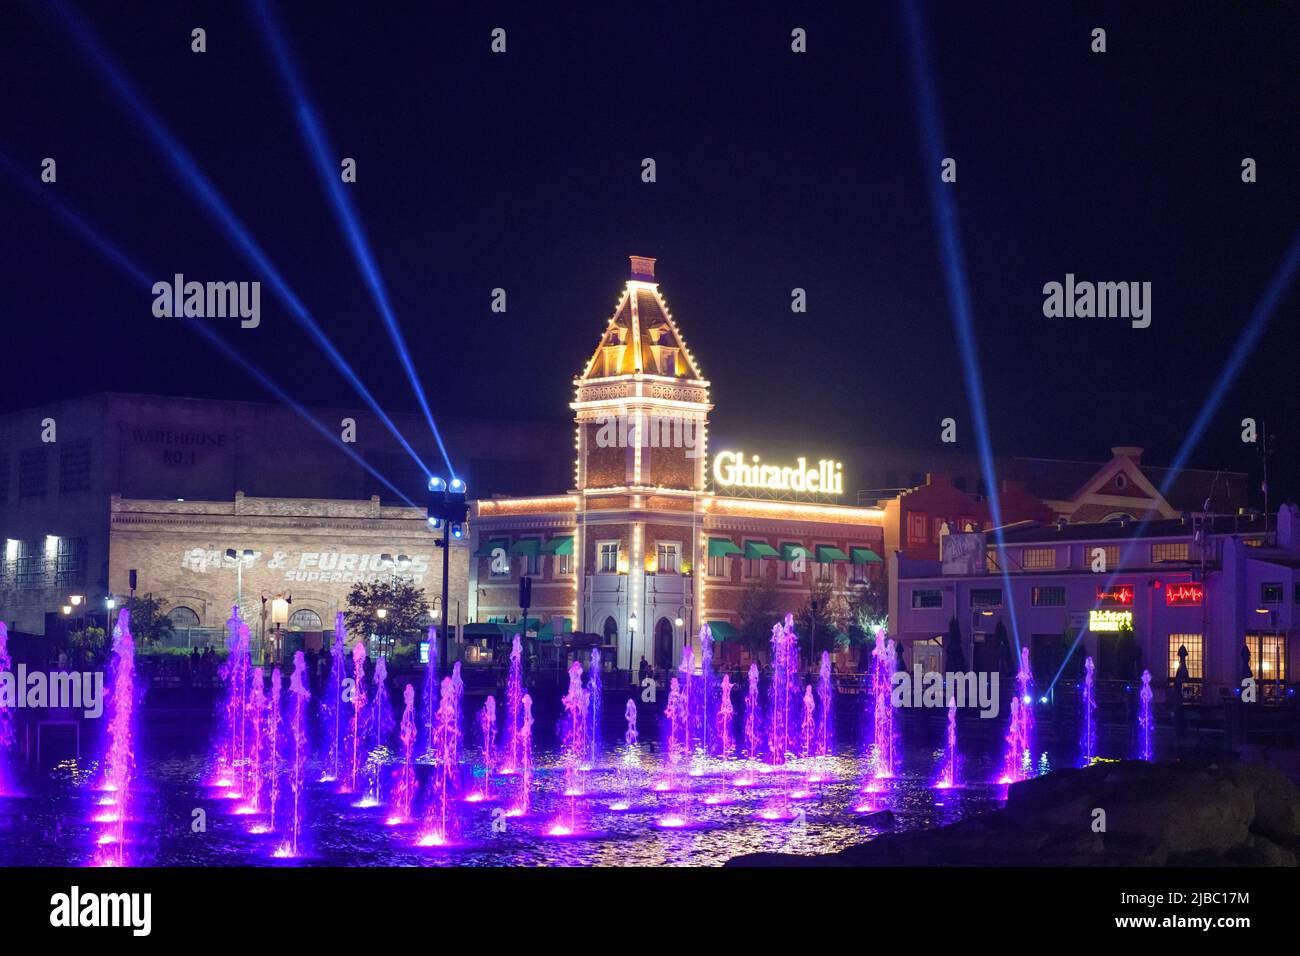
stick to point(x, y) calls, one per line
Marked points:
point(867, 610)
point(404, 605)
point(759, 610)
point(149, 621)
point(820, 617)
point(87, 648)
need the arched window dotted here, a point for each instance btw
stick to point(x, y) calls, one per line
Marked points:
point(304, 619)
point(182, 617)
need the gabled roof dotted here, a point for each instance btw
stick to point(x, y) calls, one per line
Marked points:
point(641, 336)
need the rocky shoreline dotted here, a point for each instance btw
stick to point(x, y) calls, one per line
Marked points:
point(1170, 814)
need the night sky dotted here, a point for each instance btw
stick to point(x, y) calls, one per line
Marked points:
point(775, 171)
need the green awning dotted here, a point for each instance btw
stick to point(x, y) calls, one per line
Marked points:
point(760, 549)
point(512, 628)
point(547, 631)
point(560, 545)
point(788, 551)
point(864, 556)
point(723, 631)
point(722, 548)
point(827, 554)
point(526, 547)
point(486, 548)
point(473, 631)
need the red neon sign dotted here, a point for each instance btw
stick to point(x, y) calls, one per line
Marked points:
point(1184, 595)
point(1120, 594)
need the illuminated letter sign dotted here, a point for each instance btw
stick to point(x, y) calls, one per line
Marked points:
point(733, 469)
point(1120, 594)
point(1184, 595)
point(1109, 620)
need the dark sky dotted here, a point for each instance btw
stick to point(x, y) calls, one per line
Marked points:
point(775, 170)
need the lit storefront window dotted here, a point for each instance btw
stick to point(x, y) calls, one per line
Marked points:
point(1195, 654)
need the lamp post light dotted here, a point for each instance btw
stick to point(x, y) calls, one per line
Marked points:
point(448, 511)
point(239, 559)
point(280, 618)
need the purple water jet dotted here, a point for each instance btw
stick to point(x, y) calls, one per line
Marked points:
point(119, 754)
point(809, 725)
point(1018, 763)
point(381, 718)
point(331, 709)
point(358, 708)
point(273, 745)
point(594, 692)
point(298, 773)
point(751, 714)
point(1146, 720)
point(576, 737)
point(430, 699)
point(629, 715)
point(825, 697)
point(882, 712)
point(785, 676)
point(726, 715)
point(686, 679)
point(706, 685)
point(678, 733)
point(404, 794)
point(445, 772)
point(256, 711)
point(948, 778)
point(487, 723)
point(514, 699)
point(231, 750)
point(525, 765)
point(1088, 717)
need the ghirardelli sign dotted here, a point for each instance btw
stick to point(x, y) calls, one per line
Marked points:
point(964, 553)
point(322, 567)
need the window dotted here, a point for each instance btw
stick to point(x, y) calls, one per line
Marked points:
point(183, 617)
point(1110, 552)
point(826, 571)
point(986, 597)
point(74, 466)
point(1195, 654)
point(33, 471)
point(916, 525)
point(70, 562)
point(607, 557)
point(858, 573)
point(1049, 597)
point(718, 567)
point(533, 564)
point(788, 573)
point(927, 598)
point(1169, 552)
point(1267, 656)
point(563, 564)
point(29, 568)
point(666, 554)
point(1270, 593)
point(1038, 559)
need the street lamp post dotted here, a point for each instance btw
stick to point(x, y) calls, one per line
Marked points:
point(447, 512)
point(239, 559)
point(631, 646)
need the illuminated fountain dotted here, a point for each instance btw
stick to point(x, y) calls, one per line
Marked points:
point(525, 756)
point(629, 715)
point(381, 718)
point(358, 708)
point(1088, 717)
point(404, 794)
point(751, 714)
point(487, 723)
point(576, 738)
point(298, 773)
point(445, 772)
point(1146, 720)
point(429, 701)
point(273, 745)
point(119, 754)
point(256, 712)
point(808, 727)
point(706, 684)
point(882, 713)
point(331, 709)
point(6, 714)
point(457, 700)
point(948, 776)
point(825, 697)
point(785, 677)
point(726, 715)
point(1018, 763)
point(678, 732)
point(231, 749)
point(686, 680)
point(594, 692)
point(514, 698)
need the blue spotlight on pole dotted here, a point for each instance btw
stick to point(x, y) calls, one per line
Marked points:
point(326, 165)
point(944, 211)
point(200, 186)
point(124, 262)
